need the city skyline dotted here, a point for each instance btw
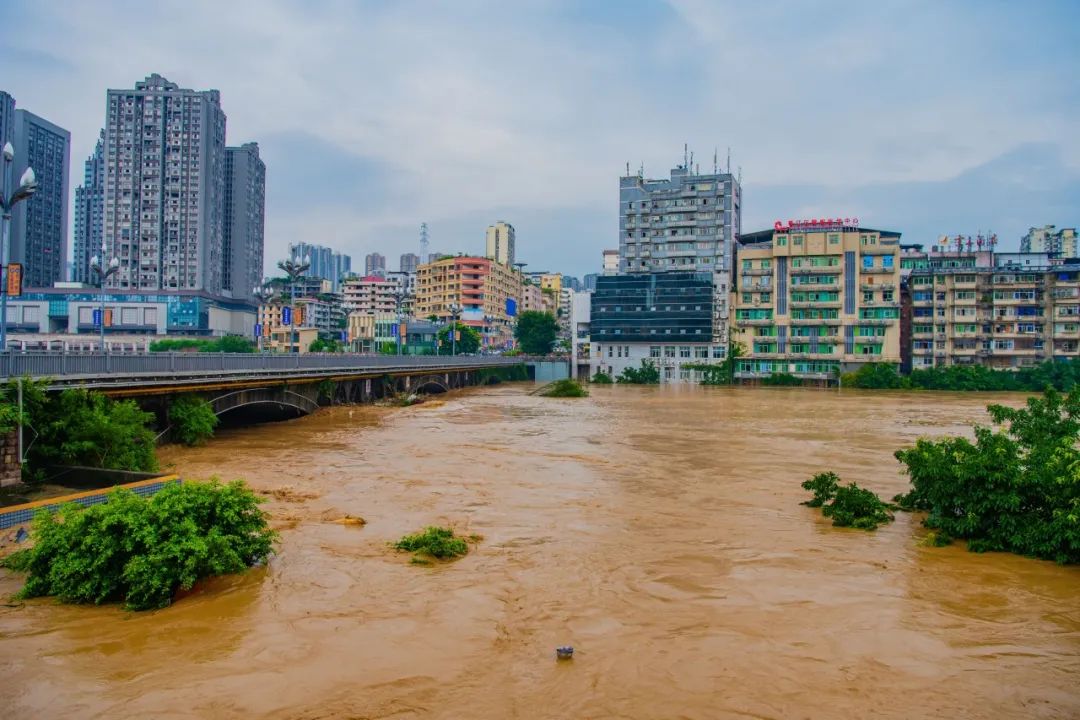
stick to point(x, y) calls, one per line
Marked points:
point(967, 129)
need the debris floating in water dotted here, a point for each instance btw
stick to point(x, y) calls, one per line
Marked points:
point(566, 652)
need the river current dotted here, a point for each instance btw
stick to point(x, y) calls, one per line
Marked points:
point(658, 530)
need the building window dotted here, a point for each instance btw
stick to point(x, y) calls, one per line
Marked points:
point(669, 351)
point(654, 351)
point(684, 351)
point(701, 353)
point(834, 239)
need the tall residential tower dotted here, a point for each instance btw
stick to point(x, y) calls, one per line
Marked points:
point(165, 187)
point(500, 243)
point(245, 203)
point(89, 209)
point(39, 226)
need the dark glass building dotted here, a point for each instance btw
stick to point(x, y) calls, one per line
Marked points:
point(653, 307)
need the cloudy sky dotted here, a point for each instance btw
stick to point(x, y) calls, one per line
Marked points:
point(926, 117)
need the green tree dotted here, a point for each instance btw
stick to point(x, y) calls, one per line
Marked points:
point(467, 343)
point(193, 419)
point(1015, 489)
point(325, 345)
point(647, 374)
point(536, 332)
point(80, 427)
point(141, 551)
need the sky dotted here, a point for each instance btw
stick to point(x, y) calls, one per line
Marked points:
point(925, 117)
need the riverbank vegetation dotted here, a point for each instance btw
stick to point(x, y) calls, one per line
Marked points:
point(440, 543)
point(1015, 489)
point(1060, 375)
point(647, 374)
point(601, 378)
point(142, 551)
point(847, 505)
point(565, 389)
point(193, 419)
point(781, 380)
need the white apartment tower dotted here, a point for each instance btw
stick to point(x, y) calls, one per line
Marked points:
point(500, 243)
point(164, 206)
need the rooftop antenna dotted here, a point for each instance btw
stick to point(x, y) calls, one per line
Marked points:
point(627, 168)
point(423, 242)
point(690, 167)
point(714, 167)
point(641, 169)
point(729, 160)
point(685, 158)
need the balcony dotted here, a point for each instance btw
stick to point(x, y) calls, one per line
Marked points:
point(875, 321)
point(756, 271)
point(816, 321)
point(829, 270)
point(815, 303)
point(877, 271)
point(815, 286)
point(755, 321)
point(877, 286)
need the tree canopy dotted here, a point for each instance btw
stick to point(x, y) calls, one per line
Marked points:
point(536, 332)
point(467, 343)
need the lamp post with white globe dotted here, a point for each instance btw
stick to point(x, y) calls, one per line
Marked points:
point(103, 273)
point(28, 185)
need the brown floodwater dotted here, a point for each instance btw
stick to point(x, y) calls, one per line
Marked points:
point(657, 530)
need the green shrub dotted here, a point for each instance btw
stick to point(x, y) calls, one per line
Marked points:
point(565, 389)
point(601, 378)
point(229, 343)
point(847, 505)
point(79, 427)
point(141, 551)
point(1015, 490)
point(436, 542)
point(193, 419)
point(823, 485)
point(647, 374)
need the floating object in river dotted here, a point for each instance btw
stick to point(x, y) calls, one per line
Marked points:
point(566, 652)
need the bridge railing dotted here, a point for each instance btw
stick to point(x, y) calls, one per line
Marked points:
point(56, 365)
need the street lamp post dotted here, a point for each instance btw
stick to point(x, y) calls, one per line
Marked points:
point(294, 270)
point(455, 312)
point(103, 272)
point(28, 185)
point(262, 293)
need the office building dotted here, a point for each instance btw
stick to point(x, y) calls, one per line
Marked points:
point(165, 187)
point(664, 318)
point(1049, 239)
point(374, 264)
point(580, 330)
point(39, 226)
point(408, 263)
point(813, 299)
point(325, 263)
point(588, 282)
point(89, 212)
point(532, 297)
point(487, 294)
point(500, 243)
point(245, 206)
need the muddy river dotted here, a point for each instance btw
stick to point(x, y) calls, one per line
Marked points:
point(657, 530)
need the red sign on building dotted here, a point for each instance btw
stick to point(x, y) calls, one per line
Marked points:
point(816, 224)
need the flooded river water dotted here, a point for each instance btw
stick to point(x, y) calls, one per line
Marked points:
point(657, 530)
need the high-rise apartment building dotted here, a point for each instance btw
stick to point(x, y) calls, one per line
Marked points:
point(326, 263)
point(374, 264)
point(39, 226)
point(370, 295)
point(500, 243)
point(245, 204)
point(165, 187)
point(89, 212)
point(1049, 239)
point(7, 119)
point(408, 262)
point(687, 223)
point(486, 293)
point(811, 300)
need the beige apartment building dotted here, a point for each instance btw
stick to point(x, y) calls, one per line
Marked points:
point(815, 300)
point(478, 288)
point(1002, 310)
